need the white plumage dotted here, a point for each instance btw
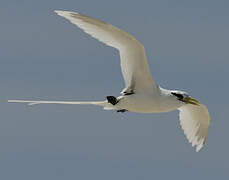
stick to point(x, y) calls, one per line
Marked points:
point(141, 93)
point(194, 121)
point(133, 59)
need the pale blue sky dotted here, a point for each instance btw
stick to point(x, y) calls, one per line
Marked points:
point(42, 56)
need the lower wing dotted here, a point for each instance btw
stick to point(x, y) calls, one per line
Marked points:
point(195, 120)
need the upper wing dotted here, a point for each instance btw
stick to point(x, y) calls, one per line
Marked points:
point(195, 121)
point(134, 64)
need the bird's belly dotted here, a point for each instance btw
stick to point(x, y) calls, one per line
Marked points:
point(140, 104)
point(146, 103)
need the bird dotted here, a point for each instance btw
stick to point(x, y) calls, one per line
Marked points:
point(141, 93)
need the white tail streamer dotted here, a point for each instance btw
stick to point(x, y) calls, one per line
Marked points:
point(104, 104)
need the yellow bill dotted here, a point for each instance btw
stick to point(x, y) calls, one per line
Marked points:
point(191, 100)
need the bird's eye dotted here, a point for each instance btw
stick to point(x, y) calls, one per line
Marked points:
point(179, 96)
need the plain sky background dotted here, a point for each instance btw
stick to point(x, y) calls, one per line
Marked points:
point(44, 57)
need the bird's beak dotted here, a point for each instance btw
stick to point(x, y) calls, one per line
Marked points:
point(191, 100)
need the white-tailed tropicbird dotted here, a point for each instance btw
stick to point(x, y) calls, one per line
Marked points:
point(141, 93)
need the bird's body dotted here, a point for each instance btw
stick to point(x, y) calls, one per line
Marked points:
point(148, 102)
point(141, 93)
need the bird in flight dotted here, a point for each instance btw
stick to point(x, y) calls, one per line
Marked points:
point(141, 93)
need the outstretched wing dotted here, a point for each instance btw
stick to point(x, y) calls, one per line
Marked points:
point(134, 64)
point(195, 120)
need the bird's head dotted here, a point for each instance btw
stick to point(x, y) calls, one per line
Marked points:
point(184, 97)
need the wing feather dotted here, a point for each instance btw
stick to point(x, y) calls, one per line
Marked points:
point(194, 121)
point(135, 69)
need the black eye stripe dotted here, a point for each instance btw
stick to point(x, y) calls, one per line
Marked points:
point(179, 96)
